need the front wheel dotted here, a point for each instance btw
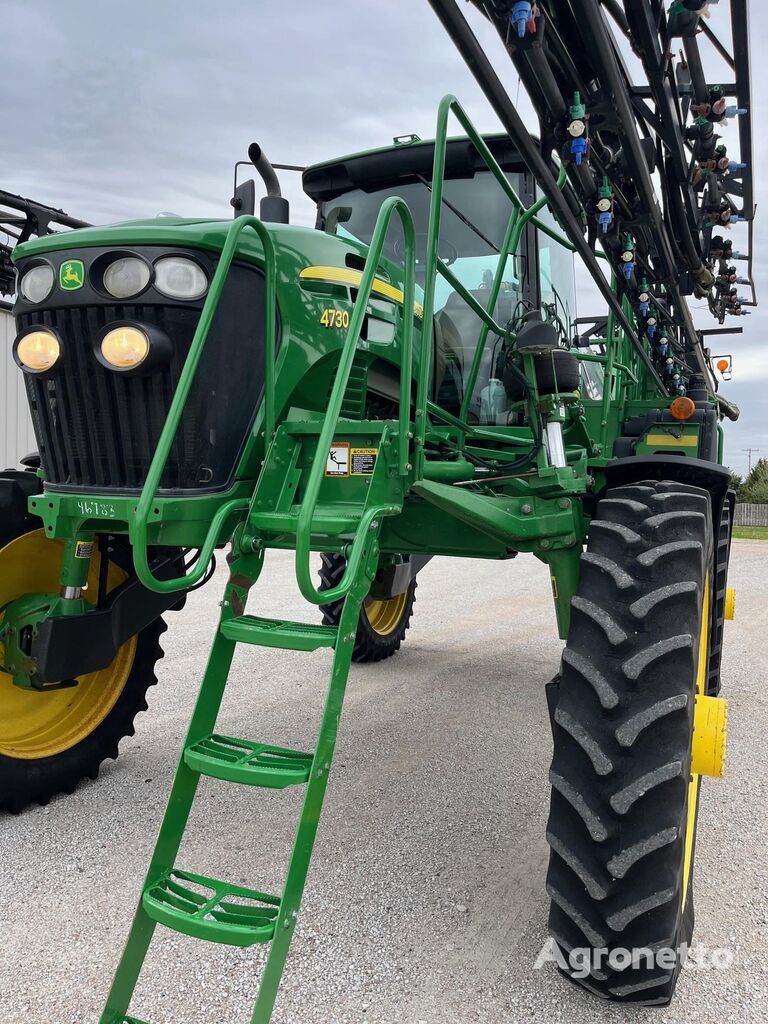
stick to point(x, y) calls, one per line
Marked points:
point(383, 623)
point(50, 741)
point(622, 822)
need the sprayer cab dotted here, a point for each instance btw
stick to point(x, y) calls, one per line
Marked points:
point(538, 275)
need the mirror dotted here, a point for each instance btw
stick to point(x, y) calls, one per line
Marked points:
point(244, 199)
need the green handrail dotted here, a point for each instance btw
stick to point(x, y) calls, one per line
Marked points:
point(304, 526)
point(138, 528)
point(514, 232)
point(519, 217)
point(606, 360)
point(434, 266)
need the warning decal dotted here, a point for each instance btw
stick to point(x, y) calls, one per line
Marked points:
point(363, 461)
point(337, 463)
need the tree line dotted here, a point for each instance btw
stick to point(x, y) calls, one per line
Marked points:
point(752, 490)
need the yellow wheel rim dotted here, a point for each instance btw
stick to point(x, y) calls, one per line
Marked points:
point(35, 725)
point(693, 786)
point(384, 616)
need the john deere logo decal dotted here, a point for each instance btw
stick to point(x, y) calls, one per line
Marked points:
point(71, 275)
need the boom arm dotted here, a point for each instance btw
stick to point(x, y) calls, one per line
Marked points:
point(20, 219)
point(656, 184)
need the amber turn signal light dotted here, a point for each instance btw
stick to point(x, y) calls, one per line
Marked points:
point(682, 408)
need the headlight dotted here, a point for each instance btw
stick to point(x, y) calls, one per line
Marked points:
point(38, 351)
point(180, 278)
point(36, 284)
point(125, 347)
point(126, 277)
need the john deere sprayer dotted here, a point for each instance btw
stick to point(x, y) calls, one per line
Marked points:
point(408, 380)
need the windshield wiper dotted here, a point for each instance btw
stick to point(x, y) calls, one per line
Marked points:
point(464, 219)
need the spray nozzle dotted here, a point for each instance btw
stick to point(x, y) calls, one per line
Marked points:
point(579, 149)
point(521, 15)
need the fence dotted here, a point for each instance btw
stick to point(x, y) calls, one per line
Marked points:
point(751, 515)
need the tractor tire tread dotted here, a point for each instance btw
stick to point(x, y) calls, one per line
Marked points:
point(622, 736)
point(370, 646)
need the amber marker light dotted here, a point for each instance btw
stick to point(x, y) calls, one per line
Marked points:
point(682, 408)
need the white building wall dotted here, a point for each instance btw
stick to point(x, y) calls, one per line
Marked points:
point(16, 435)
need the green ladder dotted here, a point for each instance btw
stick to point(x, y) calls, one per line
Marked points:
point(292, 506)
point(207, 908)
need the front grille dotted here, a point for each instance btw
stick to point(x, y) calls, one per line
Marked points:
point(98, 429)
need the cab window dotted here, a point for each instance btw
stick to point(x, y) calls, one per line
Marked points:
point(474, 219)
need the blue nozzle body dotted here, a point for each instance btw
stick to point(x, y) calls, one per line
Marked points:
point(579, 148)
point(522, 12)
point(604, 219)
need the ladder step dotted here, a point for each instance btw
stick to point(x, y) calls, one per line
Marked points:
point(208, 909)
point(253, 764)
point(296, 636)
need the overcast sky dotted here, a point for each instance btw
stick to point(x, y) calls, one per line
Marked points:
point(113, 111)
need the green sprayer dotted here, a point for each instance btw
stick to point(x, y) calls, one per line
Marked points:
point(407, 380)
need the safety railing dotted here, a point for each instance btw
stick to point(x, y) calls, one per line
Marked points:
point(330, 422)
point(520, 216)
point(515, 228)
point(140, 525)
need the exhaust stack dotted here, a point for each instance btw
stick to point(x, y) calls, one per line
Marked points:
point(273, 208)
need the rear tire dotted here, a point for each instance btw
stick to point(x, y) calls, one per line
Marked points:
point(382, 625)
point(624, 805)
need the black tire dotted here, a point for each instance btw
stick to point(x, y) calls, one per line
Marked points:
point(623, 731)
point(25, 781)
point(370, 643)
point(722, 558)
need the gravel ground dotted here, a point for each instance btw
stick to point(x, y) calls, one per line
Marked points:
point(426, 900)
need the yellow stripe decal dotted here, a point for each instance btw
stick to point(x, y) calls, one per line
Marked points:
point(668, 441)
point(345, 275)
